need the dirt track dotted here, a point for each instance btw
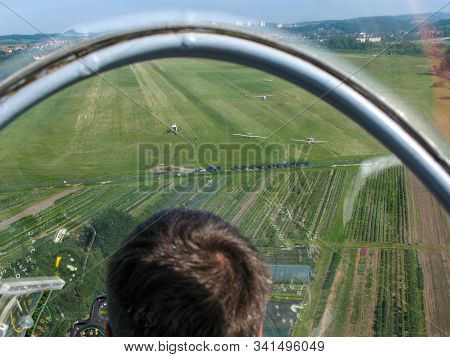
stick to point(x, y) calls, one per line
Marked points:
point(327, 316)
point(249, 202)
point(38, 207)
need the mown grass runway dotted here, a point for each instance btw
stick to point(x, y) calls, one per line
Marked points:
point(92, 130)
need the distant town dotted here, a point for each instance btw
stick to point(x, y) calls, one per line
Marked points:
point(402, 33)
point(45, 45)
point(39, 43)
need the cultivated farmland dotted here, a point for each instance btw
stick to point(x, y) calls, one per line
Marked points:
point(380, 212)
point(377, 292)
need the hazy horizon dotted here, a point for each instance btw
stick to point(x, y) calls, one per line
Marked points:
point(52, 16)
point(293, 22)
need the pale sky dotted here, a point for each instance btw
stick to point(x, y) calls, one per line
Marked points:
point(60, 15)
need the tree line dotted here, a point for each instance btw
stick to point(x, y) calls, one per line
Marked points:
point(393, 48)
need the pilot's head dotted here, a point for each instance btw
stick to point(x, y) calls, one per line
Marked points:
point(186, 273)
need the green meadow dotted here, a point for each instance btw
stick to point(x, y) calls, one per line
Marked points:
point(93, 129)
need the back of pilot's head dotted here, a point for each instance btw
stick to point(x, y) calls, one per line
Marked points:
point(186, 273)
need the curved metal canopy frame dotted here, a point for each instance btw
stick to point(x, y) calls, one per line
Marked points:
point(28, 87)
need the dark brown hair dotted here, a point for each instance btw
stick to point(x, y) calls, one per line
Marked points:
point(186, 273)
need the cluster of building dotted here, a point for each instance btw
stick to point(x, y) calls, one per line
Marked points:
point(49, 44)
point(311, 32)
point(363, 38)
point(46, 46)
point(11, 49)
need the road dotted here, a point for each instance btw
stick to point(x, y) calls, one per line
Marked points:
point(38, 207)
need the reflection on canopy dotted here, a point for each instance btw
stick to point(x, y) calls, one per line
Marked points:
point(355, 242)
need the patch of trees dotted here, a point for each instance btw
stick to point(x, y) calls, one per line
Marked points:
point(328, 282)
point(331, 271)
point(405, 48)
point(111, 227)
point(351, 43)
point(345, 43)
